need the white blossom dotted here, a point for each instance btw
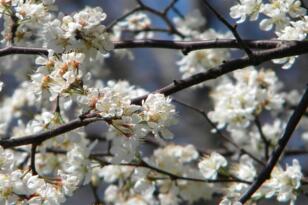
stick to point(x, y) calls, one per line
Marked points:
point(209, 166)
point(246, 8)
point(82, 31)
point(284, 183)
point(236, 104)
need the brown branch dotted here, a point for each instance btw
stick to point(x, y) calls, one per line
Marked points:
point(263, 137)
point(295, 48)
point(291, 125)
point(22, 50)
point(295, 152)
point(186, 46)
point(40, 137)
point(178, 13)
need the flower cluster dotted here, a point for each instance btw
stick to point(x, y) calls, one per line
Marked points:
point(29, 15)
point(251, 138)
point(145, 182)
point(127, 133)
point(137, 23)
point(20, 186)
point(201, 60)
point(58, 76)
point(237, 104)
point(66, 85)
point(244, 170)
point(287, 16)
point(283, 184)
point(210, 165)
point(81, 32)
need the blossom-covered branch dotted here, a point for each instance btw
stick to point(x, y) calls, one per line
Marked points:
point(267, 170)
point(295, 48)
point(185, 46)
point(48, 151)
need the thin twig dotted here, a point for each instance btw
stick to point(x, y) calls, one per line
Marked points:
point(95, 194)
point(224, 137)
point(263, 137)
point(40, 137)
point(163, 16)
point(166, 44)
point(117, 20)
point(276, 154)
point(186, 46)
point(231, 28)
point(170, 6)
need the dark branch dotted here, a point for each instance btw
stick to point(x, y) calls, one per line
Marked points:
point(263, 137)
point(186, 46)
point(40, 137)
point(22, 50)
point(295, 48)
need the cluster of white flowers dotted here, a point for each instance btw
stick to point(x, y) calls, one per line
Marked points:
point(138, 23)
point(237, 104)
point(82, 32)
point(251, 139)
point(154, 116)
point(283, 184)
point(62, 76)
point(244, 170)
point(145, 182)
point(20, 186)
point(173, 174)
point(229, 202)
point(16, 105)
point(59, 77)
point(191, 24)
point(278, 12)
point(210, 165)
point(287, 16)
point(29, 15)
point(201, 60)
